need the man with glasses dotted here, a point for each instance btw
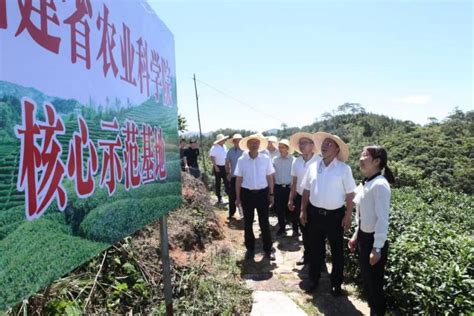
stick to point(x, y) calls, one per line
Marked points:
point(327, 207)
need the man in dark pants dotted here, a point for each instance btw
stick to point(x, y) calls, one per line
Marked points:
point(327, 207)
point(218, 153)
point(233, 155)
point(254, 190)
point(191, 154)
point(282, 164)
point(304, 144)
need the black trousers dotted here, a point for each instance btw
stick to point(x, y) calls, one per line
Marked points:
point(324, 224)
point(232, 197)
point(252, 200)
point(372, 275)
point(295, 220)
point(282, 193)
point(219, 177)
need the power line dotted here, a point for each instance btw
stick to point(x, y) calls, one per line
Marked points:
point(241, 102)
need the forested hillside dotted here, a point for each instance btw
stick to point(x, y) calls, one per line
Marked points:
point(441, 152)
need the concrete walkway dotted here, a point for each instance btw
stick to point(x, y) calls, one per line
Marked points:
point(278, 285)
point(274, 303)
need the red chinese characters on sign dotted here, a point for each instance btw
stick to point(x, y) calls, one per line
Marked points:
point(128, 56)
point(155, 69)
point(147, 166)
point(111, 164)
point(40, 19)
point(130, 155)
point(107, 43)
point(75, 170)
point(41, 170)
point(3, 14)
point(166, 73)
point(46, 13)
point(80, 32)
point(159, 154)
point(143, 73)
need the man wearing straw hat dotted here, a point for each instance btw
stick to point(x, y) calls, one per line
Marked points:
point(282, 164)
point(304, 144)
point(272, 148)
point(254, 190)
point(218, 153)
point(327, 207)
point(233, 155)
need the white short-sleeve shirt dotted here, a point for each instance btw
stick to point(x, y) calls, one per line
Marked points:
point(372, 209)
point(328, 185)
point(299, 168)
point(254, 171)
point(219, 153)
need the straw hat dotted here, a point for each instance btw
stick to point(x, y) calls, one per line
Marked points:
point(220, 138)
point(286, 142)
point(236, 136)
point(295, 139)
point(263, 142)
point(272, 139)
point(343, 148)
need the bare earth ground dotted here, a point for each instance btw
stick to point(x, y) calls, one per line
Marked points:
point(274, 282)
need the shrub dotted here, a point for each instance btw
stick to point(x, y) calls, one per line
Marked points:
point(430, 265)
point(431, 270)
point(24, 269)
point(111, 222)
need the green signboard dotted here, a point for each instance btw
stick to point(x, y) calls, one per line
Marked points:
point(88, 133)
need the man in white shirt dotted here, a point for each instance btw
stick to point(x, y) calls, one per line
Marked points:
point(272, 148)
point(218, 154)
point(254, 190)
point(304, 144)
point(282, 164)
point(233, 155)
point(327, 207)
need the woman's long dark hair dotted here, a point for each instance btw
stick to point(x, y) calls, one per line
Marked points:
point(378, 152)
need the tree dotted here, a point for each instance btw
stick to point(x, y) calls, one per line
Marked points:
point(433, 120)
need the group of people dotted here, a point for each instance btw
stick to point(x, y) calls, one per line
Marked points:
point(316, 194)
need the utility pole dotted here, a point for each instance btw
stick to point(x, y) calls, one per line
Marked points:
point(200, 130)
point(165, 260)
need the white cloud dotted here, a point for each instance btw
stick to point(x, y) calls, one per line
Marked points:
point(415, 100)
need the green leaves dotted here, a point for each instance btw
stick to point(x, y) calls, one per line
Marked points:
point(430, 267)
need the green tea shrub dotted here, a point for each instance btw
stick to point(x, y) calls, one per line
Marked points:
point(430, 267)
point(111, 222)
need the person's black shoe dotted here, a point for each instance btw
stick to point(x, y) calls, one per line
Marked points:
point(249, 255)
point(270, 255)
point(311, 286)
point(336, 290)
point(301, 262)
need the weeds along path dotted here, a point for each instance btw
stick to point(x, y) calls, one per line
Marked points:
point(277, 285)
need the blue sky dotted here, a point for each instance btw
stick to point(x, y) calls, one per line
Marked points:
point(282, 61)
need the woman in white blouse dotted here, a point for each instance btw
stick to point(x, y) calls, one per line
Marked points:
point(372, 201)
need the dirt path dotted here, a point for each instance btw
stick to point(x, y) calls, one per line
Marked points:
point(271, 280)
